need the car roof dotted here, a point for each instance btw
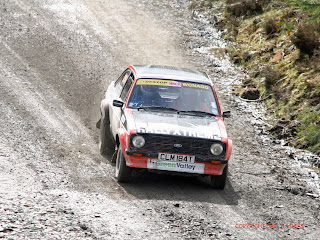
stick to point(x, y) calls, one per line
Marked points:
point(167, 72)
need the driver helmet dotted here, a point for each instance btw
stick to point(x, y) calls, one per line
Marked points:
point(148, 88)
point(148, 92)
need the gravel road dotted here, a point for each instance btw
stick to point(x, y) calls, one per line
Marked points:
point(56, 60)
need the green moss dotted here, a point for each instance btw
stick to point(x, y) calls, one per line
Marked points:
point(309, 130)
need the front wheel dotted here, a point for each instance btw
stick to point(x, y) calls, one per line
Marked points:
point(219, 181)
point(123, 172)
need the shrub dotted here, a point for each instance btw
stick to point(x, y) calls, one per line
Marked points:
point(271, 27)
point(306, 38)
point(271, 77)
point(245, 8)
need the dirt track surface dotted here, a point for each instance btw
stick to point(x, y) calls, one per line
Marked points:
point(56, 59)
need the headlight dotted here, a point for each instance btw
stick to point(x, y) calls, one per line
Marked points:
point(138, 141)
point(216, 149)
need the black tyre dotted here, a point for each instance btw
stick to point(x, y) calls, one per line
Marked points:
point(123, 172)
point(219, 181)
point(106, 143)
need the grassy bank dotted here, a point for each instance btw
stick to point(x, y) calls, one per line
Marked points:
point(278, 43)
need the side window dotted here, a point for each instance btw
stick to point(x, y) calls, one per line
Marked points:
point(121, 81)
point(126, 88)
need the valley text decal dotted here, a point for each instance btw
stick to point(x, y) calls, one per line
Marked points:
point(180, 132)
point(175, 166)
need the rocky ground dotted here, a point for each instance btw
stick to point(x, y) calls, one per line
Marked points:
point(56, 59)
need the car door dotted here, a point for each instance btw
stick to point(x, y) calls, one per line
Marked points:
point(122, 86)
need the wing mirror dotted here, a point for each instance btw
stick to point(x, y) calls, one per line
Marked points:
point(117, 103)
point(226, 114)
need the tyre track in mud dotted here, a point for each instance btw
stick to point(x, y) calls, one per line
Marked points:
point(57, 57)
point(53, 143)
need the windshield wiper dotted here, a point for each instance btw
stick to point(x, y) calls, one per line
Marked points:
point(194, 112)
point(158, 108)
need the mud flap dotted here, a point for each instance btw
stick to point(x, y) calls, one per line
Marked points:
point(98, 124)
point(114, 157)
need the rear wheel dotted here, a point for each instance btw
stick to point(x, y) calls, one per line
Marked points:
point(106, 144)
point(123, 172)
point(219, 181)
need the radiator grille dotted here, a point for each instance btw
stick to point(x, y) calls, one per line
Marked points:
point(166, 143)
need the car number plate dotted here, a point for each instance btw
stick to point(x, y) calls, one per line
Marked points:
point(176, 158)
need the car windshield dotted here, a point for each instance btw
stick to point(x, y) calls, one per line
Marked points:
point(174, 95)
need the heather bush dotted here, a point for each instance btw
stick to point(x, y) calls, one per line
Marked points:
point(307, 38)
point(271, 27)
point(245, 8)
point(271, 77)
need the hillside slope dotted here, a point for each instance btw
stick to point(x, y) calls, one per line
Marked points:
point(278, 44)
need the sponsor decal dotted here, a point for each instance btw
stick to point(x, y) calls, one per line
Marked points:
point(195, 85)
point(175, 166)
point(175, 84)
point(171, 83)
point(180, 132)
point(158, 82)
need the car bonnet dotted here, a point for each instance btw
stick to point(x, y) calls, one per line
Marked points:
point(176, 124)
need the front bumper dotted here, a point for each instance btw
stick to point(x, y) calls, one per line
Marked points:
point(205, 165)
point(155, 155)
